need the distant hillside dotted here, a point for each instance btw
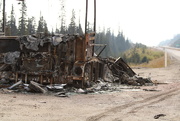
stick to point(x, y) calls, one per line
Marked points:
point(141, 54)
point(164, 43)
point(175, 42)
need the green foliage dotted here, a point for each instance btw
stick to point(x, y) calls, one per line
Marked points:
point(141, 54)
point(145, 59)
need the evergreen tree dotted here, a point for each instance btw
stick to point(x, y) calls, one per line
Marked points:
point(118, 42)
point(72, 25)
point(107, 51)
point(62, 18)
point(31, 26)
point(122, 42)
point(22, 20)
point(128, 45)
point(100, 39)
point(79, 28)
point(144, 59)
point(135, 58)
point(45, 27)
point(57, 31)
point(42, 25)
point(115, 44)
point(12, 23)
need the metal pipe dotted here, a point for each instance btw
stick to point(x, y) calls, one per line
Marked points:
point(86, 16)
point(94, 24)
point(3, 26)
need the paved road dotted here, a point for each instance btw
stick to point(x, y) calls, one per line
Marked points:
point(174, 52)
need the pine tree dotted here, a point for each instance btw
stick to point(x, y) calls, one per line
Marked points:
point(22, 20)
point(31, 26)
point(42, 25)
point(45, 27)
point(115, 44)
point(79, 28)
point(72, 25)
point(144, 59)
point(122, 41)
point(62, 18)
point(57, 30)
point(12, 23)
point(108, 51)
point(128, 45)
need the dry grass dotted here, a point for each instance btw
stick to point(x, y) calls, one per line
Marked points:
point(156, 63)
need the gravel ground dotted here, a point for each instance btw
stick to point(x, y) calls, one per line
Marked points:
point(161, 101)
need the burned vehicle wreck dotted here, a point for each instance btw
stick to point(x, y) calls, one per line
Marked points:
point(60, 59)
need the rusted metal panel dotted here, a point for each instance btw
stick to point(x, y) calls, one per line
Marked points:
point(80, 49)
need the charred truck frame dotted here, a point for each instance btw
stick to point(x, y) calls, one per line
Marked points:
point(58, 59)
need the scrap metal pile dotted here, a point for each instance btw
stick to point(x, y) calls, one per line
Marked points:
point(60, 59)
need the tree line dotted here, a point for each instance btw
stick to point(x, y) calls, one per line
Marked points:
point(27, 25)
point(115, 44)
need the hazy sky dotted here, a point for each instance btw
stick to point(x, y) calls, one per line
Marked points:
point(142, 21)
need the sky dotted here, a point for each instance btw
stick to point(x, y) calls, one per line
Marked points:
point(143, 21)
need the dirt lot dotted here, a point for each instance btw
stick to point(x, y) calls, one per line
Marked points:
point(127, 105)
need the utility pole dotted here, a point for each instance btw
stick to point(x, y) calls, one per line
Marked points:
point(4, 16)
point(94, 15)
point(86, 16)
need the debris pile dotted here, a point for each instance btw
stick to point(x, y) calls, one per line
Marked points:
point(41, 62)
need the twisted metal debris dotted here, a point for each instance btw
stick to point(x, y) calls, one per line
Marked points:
point(60, 59)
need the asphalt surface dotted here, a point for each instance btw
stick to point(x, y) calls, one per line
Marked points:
point(174, 52)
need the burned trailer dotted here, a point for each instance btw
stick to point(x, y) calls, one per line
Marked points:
point(50, 59)
point(57, 59)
